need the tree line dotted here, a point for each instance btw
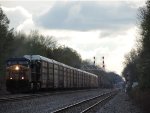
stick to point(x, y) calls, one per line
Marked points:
point(137, 62)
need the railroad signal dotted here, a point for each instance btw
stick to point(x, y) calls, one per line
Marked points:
point(94, 60)
point(103, 62)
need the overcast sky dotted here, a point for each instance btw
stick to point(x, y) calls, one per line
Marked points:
point(93, 28)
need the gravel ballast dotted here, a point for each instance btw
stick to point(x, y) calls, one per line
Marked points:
point(47, 104)
point(121, 103)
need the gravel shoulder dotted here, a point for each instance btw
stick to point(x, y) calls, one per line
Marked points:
point(121, 103)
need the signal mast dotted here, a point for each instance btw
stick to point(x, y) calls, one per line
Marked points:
point(103, 63)
point(94, 60)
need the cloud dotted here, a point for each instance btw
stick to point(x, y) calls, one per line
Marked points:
point(84, 16)
point(92, 28)
point(26, 26)
point(35, 7)
point(17, 15)
point(88, 44)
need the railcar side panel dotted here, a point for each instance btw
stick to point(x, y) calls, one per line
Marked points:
point(61, 77)
point(74, 78)
point(80, 79)
point(86, 80)
point(65, 77)
point(44, 74)
point(90, 83)
point(83, 79)
point(77, 79)
point(71, 78)
point(56, 75)
point(68, 78)
point(88, 77)
point(50, 75)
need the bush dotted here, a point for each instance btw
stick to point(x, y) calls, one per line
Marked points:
point(142, 98)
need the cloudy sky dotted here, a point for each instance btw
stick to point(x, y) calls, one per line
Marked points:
point(93, 28)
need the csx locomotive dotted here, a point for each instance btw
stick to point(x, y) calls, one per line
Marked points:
point(35, 72)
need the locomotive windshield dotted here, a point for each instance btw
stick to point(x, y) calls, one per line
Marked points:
point(18, 61)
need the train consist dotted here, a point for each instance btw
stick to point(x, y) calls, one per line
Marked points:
point(35, 72)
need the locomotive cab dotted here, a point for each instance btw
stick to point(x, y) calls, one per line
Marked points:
point(17, 74)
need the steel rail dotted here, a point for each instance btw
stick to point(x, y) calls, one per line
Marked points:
point(79, 103)
point(94, 105)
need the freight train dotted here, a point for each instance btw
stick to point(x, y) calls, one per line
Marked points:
point(35, 72)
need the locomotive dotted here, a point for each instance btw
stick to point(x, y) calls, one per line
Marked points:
point(35, 72)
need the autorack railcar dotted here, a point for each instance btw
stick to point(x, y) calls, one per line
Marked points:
point(35, 72)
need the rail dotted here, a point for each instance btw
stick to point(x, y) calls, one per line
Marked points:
point(85, 105)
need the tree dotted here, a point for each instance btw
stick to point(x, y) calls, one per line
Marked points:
point(130, 72)
point(144, 62)
point(67, 55)
point(6, 40)
point(87, 62)
point(34, 43)
point(6, 35)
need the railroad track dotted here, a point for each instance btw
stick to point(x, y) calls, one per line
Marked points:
point(87, 106)
point(31, 96)
point(13, 99)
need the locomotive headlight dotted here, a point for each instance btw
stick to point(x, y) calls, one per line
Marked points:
point(17, 68)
